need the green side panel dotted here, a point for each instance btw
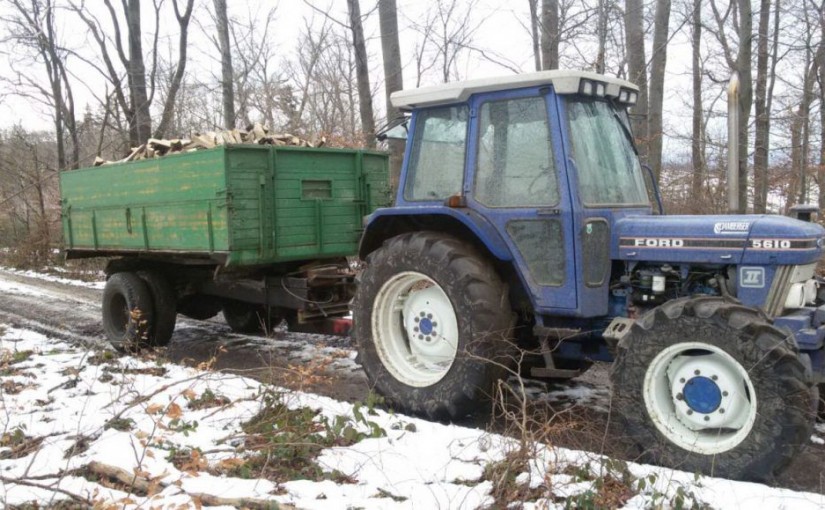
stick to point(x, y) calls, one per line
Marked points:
point(258, 204)
point(176, 203)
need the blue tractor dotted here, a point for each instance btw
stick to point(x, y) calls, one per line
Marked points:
point(523, 224)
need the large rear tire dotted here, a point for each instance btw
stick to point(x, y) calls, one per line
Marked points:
point(432, 321)
point(165, 307)
point(127, 311)
point(709, 386)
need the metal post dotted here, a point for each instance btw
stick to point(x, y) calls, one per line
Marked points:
point(733, 144)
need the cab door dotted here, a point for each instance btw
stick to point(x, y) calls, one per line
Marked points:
point(513, 180)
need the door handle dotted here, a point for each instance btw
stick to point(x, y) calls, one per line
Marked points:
point(547, 212)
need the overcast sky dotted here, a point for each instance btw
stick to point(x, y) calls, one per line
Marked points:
point(501, 31)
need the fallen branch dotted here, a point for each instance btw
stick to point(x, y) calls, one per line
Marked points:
point(144, 484)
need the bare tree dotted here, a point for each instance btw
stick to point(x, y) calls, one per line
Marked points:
point(657, 84)
point(739, 61)
point(391, 51)
point(550, 34)
point(227, 81)
point(762, 134)
point(696, 145)
point(362, 70)
point(136, 96)
point(637, 71)
point(32, 28)
point(446, 31)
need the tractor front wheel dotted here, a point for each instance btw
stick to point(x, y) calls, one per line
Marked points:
point(705, 385)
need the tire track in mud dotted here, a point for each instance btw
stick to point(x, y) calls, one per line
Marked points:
point(304, 361)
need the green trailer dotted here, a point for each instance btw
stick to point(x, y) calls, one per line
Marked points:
point(260, 232)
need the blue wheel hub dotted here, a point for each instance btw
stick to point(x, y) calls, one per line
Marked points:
point(426, 325)
point(702, 394)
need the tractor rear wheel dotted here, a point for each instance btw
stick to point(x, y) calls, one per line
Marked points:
point(706, 385)
point(432, 321)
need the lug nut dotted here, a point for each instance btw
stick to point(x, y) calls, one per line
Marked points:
point(724, 393)
point(721, 410)
point(714, 377)
point(679, 396)
point(415, 329)
point(429, 339)
point(707, 418)
point(416, 319)
point(429, 316)
point(421, 337)
point(690, 411)
point(435, 324)
point(696, 372)
point(682, 380)
point(423, 314)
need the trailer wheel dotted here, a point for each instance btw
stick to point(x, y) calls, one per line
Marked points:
point(706, 385)
point(243, 317)
point(127, 311)
point(432, 321)
point(165, 307)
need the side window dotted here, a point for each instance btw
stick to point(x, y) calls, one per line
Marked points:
point(515, 159)
point(436, 169)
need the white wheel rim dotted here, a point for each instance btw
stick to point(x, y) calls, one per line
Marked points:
point(700, 397)
point(414, 329)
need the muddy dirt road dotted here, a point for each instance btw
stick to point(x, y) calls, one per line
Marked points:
point(324, 365)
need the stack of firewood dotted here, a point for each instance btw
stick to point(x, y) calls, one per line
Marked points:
point(254, 134)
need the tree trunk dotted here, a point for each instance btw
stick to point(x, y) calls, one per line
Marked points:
point(637, 71)
point(743, 62)
point(697, 157)
point(141, 123)
point(550, 34)
point(762, 134)
point(534, 33)
point(657, 84)
point(820, 171)
point(227, 80)
point(602, 37)
point(393, 78)
point(391, 50)
point(362, 73)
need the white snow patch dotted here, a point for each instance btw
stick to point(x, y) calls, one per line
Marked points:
point(133, 413)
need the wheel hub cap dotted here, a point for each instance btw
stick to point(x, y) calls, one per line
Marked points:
point(700, 397)
point(702, 394)
point(415, 329)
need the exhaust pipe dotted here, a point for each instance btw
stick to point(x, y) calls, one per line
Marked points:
point(733, 144)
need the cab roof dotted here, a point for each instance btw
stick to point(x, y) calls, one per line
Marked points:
point(563, 82)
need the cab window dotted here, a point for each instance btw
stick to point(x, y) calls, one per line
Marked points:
point(515, 158)
point(436, 167)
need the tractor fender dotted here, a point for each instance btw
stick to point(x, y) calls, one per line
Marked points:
point(462, 223)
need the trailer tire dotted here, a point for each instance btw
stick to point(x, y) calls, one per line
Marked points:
point(409, 354)
point(165, 307)
point(243, 317)
point(710, 386)
point(127, 311)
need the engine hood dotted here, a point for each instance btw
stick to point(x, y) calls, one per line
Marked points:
point(734, 239)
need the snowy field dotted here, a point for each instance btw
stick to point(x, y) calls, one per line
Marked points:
point(92, 428)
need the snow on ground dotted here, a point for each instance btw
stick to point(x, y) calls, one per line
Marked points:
point(57, 279)
point(67, 415)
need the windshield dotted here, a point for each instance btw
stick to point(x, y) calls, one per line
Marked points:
point(608, 168)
